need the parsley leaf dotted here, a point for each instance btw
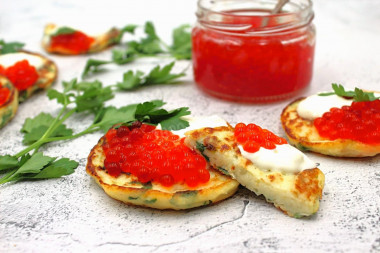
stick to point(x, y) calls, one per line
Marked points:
point(131, 80)
point(93, 96)
point(150, 31)
point(126, 29)
point(39, 166)
point(152, 112)
point(129, 29)
point(358, 95)
point(157, 75)
point(38, 132)
point(149, 112)
point(63, 30)
point(161, 75)
point(123, 56)
point(92, 66)
point(56, 169)
point(68, 86)
point(24, 159)
point(145, 109)
point(340, 91)
point(181, 48)
point(54, 94)
point(35, 163)
point(10, 47)
point(8, 162)
point(157, 103)
point(173, 119)
point(35, 128)
point(148, 46)
point(112, 116)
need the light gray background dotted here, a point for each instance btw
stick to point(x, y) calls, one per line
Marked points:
point(72, 214)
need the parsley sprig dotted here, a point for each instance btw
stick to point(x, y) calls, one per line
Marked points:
point(357, 95)
point(86, 98)
point(158, 75)
point(151, 45)
point(134, 80)
point(63, 30)
point(10, 47)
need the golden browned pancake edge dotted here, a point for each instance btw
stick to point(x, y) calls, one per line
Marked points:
point(297, 195)
point(101, 42)
point(303, 134)
point(9, 108)
point(125, 188)
point(47, 73)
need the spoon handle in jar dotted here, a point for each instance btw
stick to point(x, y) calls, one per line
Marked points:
point(279, 6)
point(276, 9)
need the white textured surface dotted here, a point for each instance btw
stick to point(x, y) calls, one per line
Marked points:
point(72, 214)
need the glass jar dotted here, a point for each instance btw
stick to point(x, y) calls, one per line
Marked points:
point(242, 52)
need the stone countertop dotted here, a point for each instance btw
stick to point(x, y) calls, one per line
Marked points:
point(72, 214)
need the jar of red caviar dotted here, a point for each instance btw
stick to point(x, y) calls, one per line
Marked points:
point(243, 52)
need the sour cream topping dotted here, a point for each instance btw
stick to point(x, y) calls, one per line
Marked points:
point(199, 122)
point(7, 60)
point(315, 106)
point(284, 158)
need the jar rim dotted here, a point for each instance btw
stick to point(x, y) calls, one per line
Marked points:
point(213, 16)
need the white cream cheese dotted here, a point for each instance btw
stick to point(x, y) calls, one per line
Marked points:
point(7, 60)
point(315, 106)
point(284, 158)
point(199, 122)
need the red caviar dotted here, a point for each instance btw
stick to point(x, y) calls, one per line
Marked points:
point(252, 137)
point(251, 55)
point(153, 155)
point(21, 74)
point(4, 94)
point(358, 122)
point(76, 42)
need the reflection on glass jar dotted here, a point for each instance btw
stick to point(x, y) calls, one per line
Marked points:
point(242, 52)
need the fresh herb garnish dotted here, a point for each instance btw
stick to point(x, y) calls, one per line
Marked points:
point(63, 30)
point(121, 57)
point(126, 29)
point(133, 80)
point(149, 46)
point(38, 166)
point(92, 65)
point(10, 47)
point(181, 48)
point(79, 97)
point(357, 95)
point(35, 128)
point(152, 112)
point(361, 95)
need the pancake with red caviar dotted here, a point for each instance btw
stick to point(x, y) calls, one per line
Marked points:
point(350, 131)
point(69, 41)
point(28, 72)
point(251, 155)
point(144, 166)
point(8, 101)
